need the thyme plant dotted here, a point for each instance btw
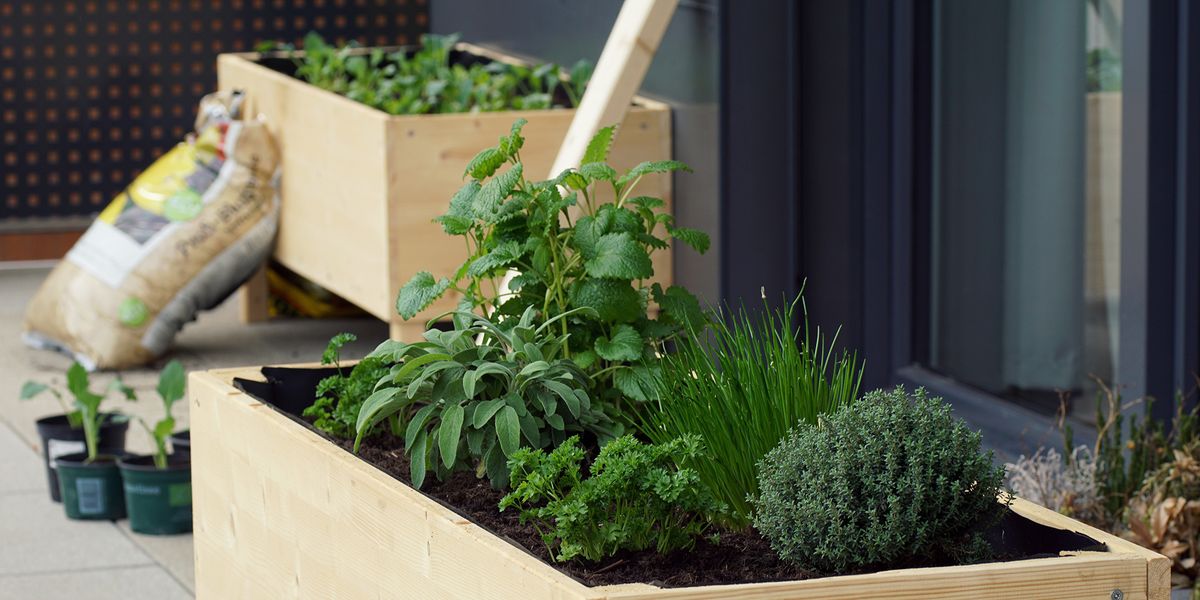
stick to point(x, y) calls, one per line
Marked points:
point(896, 479)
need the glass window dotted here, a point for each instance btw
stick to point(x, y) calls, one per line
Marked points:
point(1025, 204)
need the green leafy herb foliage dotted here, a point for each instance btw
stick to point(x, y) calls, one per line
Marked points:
point(339, 397)
point(172, 382)
point(1130, 445)
point(425, 80)
point(599, 260)
point(891, 481)
point(475, 395)
point(85, 411)
point(741, 388)
point(636, 497)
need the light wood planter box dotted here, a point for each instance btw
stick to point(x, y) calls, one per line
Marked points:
point(281, 512)
point(360, 187)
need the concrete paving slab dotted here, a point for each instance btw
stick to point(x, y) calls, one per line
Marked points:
point(216, 339)
point(171, 552)
point(135, 583)
point(38, 538)
point(20, 464)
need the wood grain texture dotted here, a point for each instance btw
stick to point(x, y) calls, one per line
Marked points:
point(254, 298)
point(360, 188)
point(279, 512)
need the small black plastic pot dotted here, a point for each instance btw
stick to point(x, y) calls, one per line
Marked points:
point(158, 501)
point(59, 438)
point(181, 443)
point(90, 490)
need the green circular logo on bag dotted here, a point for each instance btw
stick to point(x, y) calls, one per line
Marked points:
point(183, 206)
point(132, 312)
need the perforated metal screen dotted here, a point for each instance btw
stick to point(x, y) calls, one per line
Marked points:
point(91, 91)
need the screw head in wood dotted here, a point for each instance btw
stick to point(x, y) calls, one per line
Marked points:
point(1117, 595)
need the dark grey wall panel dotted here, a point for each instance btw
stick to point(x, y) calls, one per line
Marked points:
point(684, 74)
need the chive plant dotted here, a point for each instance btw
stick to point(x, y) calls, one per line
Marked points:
point(741, 388)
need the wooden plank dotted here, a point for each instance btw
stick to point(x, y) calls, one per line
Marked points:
point(1092, 577)
point(1158, 567)
point(254, 298)
point(282, 513)
point(622, 66)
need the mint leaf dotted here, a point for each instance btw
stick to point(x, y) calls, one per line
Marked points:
point(652, 166)
point(679, 306)
point(598, 171)
point(485, 163)
point(612, 299)
point(419, 293)
point(501, 256)
point(698, 240)
point(461, 215)
point(624, 345)
point(647, 202)
point(587, 233)
point(619, 256)
point(597, 149)
point(637, 382)
point(487, 201)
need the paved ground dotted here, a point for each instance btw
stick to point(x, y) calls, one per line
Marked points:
point(43, 555)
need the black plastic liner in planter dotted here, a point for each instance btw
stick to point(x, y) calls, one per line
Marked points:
point(291, 390)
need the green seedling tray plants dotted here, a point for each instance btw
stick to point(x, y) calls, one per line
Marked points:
point(81, 428)
point(158, 486)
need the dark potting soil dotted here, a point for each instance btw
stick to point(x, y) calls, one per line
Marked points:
point(733, 557)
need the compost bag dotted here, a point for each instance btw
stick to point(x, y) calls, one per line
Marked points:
point(182, 237)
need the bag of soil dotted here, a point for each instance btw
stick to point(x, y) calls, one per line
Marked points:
point(181, 238)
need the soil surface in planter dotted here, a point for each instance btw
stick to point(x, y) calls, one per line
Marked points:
point(734, 557)
point(731, 557)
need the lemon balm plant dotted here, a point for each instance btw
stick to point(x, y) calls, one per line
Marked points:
point(599, 259)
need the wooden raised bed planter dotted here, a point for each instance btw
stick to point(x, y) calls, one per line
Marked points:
point(280, 512)
point(360, 187)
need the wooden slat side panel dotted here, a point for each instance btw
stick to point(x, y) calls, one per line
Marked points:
point(427, 155)
point(282, 513)
point(1158, 567)
point(1091, 577)
point(332, 226)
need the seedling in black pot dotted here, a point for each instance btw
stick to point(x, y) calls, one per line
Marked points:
point(89, 483)
point(158, 486)
point(65, 434)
